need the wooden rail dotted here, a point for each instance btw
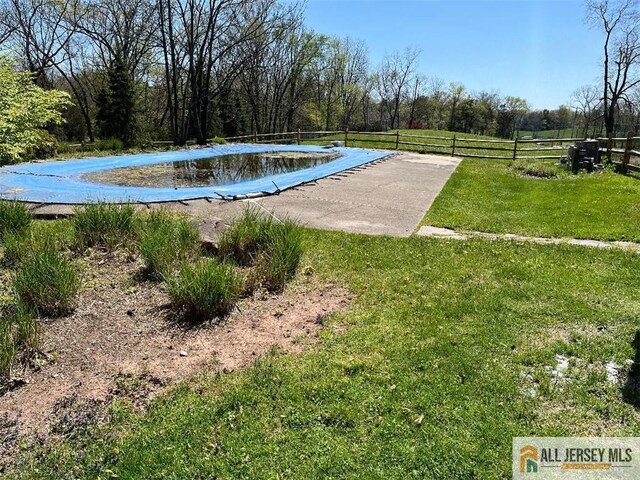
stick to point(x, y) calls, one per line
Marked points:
point(519, 149)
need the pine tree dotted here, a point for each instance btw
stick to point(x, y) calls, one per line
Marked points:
point(116, 116)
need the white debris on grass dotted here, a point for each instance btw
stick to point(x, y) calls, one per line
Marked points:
point(562, 364)
point(530, 389)
point(613, 371)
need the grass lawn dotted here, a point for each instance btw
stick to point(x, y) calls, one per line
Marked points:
point(446, 355)
point(487, 195)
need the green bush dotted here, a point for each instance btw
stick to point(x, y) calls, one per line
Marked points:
point(8, 347)
point(273, 247)
point(64, 147)
point(14, 218)
point(103, 225)
point(166, 240)
point(46, 283)
point(45, 147)
point(109, 144)
point(204, 290)
point(24, 108)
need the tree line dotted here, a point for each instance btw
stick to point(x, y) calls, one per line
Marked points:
point(141, 70)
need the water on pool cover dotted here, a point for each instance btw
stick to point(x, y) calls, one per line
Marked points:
point(219, 170)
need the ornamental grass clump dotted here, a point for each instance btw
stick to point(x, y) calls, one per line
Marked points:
point(278, 262)
point(46, 283)
point(272, 247)
point(15, 218)
point(246, 237)
point(104, 225)
point(204, 290)
point(18, 246)
point(8, 348)
point(166, 241)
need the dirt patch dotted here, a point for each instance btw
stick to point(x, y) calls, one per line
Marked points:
point(121, 340)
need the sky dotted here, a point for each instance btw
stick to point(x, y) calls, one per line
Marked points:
point(539, 50)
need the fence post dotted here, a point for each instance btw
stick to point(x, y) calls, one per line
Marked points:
point(628, 146)
point(346, 137)
point(299, 137)
point(255, 136)
point(453, 145)
point(397, 139)
point(515, 148)
point(609, 147)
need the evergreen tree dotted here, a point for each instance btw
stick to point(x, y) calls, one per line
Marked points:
point(116, 116)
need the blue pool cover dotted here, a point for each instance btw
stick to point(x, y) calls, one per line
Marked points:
point(62, 182)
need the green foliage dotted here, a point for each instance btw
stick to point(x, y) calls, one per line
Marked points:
point(218, 141)
point(46, 147)
point(109, 144)
point(204, 289)
point(8, 347)
point(247, 236)
point(278, 261)
point(103, 225)
point(166, 240)
point(116, 116)
point(46, 283)
point(27, 329)
point(15, 218)
point(535, 168)
point(18, 246)
point(274, 247)
point(24, 110)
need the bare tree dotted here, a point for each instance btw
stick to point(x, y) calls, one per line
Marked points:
point(417, 90)
point(200, 43)
point(394, 75)
point(587, 102)
point(620, 23)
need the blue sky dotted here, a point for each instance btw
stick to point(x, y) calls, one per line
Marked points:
point(538, 50)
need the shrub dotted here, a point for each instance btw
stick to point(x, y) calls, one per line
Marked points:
point(24, 108)
point(273, 247)
point(14, 217)
point(166, 240)
point(45, 147)
point(64, 147)
point(46, 283)
point(106, 144)
point(204, 289)
point(8, 347)
point(103, 225)
point(279, 262)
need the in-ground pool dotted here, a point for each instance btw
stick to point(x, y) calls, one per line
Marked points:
point(178, 175)
point(217, 170)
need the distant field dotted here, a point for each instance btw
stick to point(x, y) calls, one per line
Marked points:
point(562, 133)
point(465, 144)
